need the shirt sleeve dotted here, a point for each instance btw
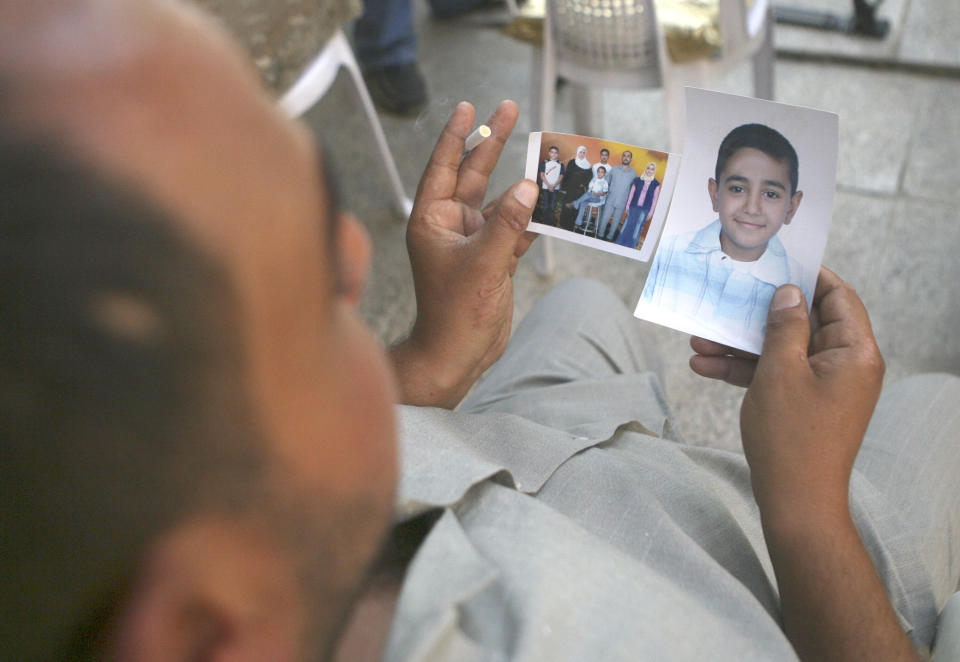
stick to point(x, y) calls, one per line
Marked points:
point(652, 276)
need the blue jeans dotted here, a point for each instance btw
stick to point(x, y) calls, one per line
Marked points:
point(633, 227)
point(549, 202)
point(384, 35)
point(581, 204)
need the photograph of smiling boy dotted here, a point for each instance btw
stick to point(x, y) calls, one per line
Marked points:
point(725, 273)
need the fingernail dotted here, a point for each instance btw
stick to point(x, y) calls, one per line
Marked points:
point(785, 297)
point(526, 193)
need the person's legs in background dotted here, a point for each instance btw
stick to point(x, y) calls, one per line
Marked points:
point(451, 8)
point(386, 47)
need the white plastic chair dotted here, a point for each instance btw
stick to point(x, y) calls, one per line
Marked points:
point(314, 83)
point(620, 43)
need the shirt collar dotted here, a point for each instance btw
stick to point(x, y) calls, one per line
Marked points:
point(771, 267)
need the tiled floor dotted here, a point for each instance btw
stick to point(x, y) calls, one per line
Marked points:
point(895, 232)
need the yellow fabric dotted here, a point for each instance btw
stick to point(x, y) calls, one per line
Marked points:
point(691, 27)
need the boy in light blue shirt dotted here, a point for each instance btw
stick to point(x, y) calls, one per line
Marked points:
point(723, 276)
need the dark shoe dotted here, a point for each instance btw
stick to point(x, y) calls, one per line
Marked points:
point(451, 8)
point(400, 90)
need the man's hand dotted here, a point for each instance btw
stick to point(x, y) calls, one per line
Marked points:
point(811, 398)
point(803, 418)
point(726, 364)
point(463, 261)
point(814, 381)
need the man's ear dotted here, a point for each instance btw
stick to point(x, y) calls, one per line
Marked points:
point(794, 205)
point(714, 191)
point(210, 591)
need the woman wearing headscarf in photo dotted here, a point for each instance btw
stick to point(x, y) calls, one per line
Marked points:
point(641, 202)
point(575, 180)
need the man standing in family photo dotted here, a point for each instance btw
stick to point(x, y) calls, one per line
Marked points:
point(620, 180)
point(604, 160)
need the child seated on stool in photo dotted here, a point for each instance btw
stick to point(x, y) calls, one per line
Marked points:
point(596, 193)
point(725, 274)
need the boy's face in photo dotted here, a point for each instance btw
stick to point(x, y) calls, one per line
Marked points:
point(754, 201)
point(553, 154)
point(601, 171)
point(604, 155)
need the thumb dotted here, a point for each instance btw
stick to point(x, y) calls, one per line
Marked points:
point(504, 228)
point(788, 329)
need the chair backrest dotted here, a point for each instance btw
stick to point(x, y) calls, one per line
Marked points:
point(612, 35)
point(621, 35)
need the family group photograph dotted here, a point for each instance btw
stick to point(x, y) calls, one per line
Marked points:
point(599, 189)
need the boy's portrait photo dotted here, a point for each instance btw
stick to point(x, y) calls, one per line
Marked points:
point(751, 213)
point(600, 193)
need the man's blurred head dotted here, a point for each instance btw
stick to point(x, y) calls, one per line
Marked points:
point(198, 449)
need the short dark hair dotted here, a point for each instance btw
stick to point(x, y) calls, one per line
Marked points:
point(604, 149)
point(553, 147)
point(122, 409)
point(761, 137)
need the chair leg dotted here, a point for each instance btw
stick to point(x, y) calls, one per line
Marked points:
point(542, 256)
point(545, 70)
point(676, 78)
point(315, 80)
point(763, 61)
point(587, 110)
point(544, 98)
point(541, 102)
point(404, 203)
point(676, 113)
